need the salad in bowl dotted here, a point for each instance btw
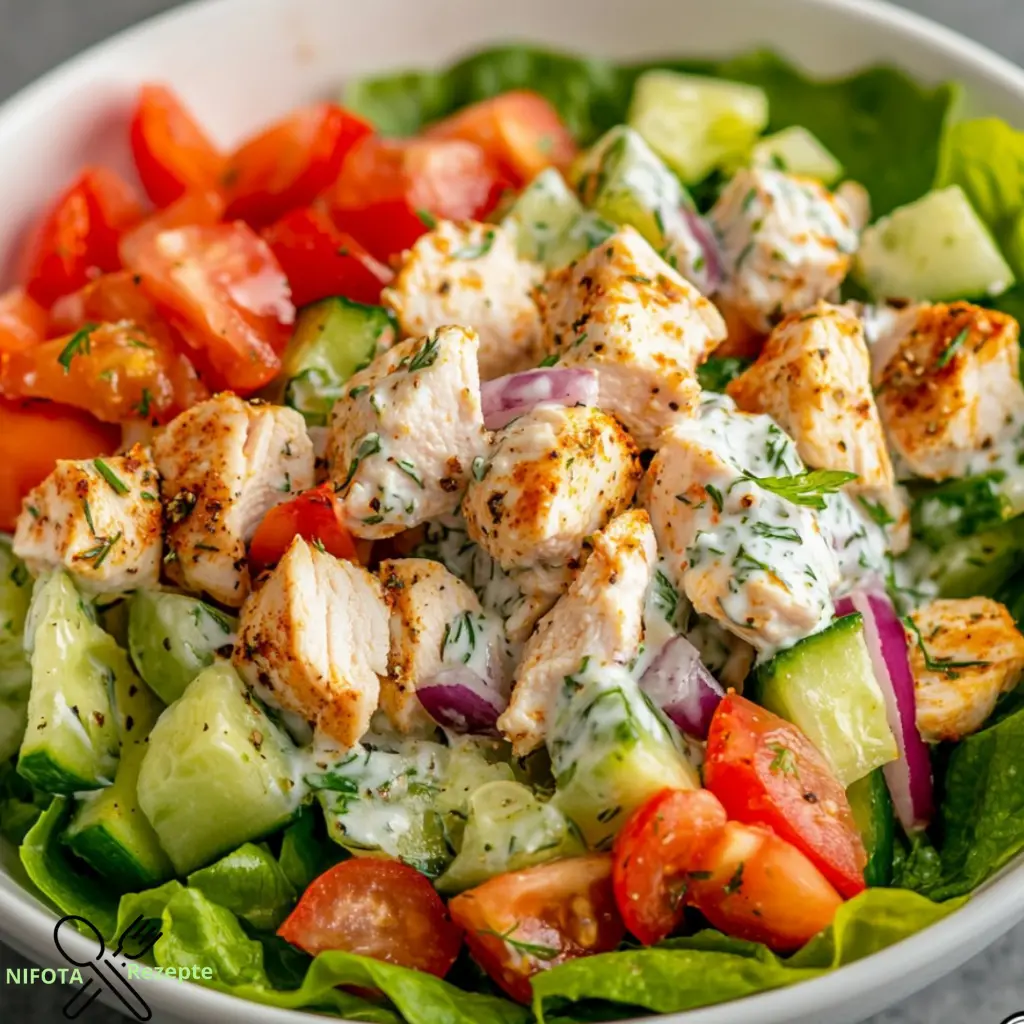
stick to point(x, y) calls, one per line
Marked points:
point(539, 540)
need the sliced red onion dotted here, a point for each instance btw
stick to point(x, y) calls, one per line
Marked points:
point(505, 398)
point(682, 686)
point(713, 271)
point(459, 699)
point(909, 777)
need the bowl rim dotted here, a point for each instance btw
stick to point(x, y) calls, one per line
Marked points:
point(26, 923)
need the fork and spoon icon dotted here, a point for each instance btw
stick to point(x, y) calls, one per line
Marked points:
point(135, 941)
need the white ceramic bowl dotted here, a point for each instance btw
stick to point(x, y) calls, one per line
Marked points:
point(240, 63)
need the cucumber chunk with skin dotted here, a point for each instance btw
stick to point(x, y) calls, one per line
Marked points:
point(611, 750)
point(696, 124)
point(975, 565)
point(826, 686)
point(873, 813)
point(936, 248)
point(108, 829)
point(71, 742)
point(173, 637)
point(586, 232)
point(333, 339)
point(947, 512)
point(217, 772)
point(541, 214)
point(15, 670)
point(508, 829)
point(796, 151)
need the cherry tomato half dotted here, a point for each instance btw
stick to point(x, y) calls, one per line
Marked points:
point(379, 908)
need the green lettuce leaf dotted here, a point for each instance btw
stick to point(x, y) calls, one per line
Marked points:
point(62, 878)
point(306, 850)
point(714, 374)
point(249, 882)
point(884, 128)
point(709, 968)
point(148, 904)
point(20, 804)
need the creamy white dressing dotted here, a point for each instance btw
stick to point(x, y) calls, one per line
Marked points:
point(860, 545)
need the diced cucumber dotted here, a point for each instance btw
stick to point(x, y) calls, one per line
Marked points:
point(946, 513)
point(13, 719)
point(108, 829)
point(696, 124)
point(15, 670)
point(796, 151)
point(173, 637)
point(508, 829)
point(400, 802)
point(872, 811)
point(15, 594)
point(71, 743)
point(610, 750)
point(541, 214)
point(333, 339)
point(586, 232)
point(217, 772)
point(976, 565)
point(936, 248)
point(826, 686)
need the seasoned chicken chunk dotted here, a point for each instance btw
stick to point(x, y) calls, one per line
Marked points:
point(97, 518)
point(963, 655)
point(407, 432)
point(813, 377)
point(437, 624)
point(313, 640)
point(947, 380)
point(225, 463)
point(468, 273)
point(624, 312)
point(601, 616)
point(555, 476)
point(786, 243)
point(759, 564)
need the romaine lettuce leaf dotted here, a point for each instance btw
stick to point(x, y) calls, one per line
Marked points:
point(306, 851)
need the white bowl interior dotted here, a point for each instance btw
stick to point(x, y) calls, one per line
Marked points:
point(240, 63)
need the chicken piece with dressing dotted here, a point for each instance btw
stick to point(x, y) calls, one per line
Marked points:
point(813, 377)
point(623, 311)
point(407, 432)
point(99, 519)
point(786, 242)
point(555, 476)
point(224, 464)
point(964, 654)
point(470, 274)
point(600, 617)
point(313, 640)
point(947, 381)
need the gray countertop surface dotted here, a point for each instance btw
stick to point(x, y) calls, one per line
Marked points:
point(38, 34)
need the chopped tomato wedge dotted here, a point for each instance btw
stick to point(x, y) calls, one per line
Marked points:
point(290, 163)
point(389, 189)
point(658, 845)
point(78, 236)
point(753, 885)
point(520, 131)
point(33, 436)
point(529, 921)
point(173, 155)
point(379, 908)
point(22, 321)
point(314, 515)
point(320, 261)
point(203, 207)
point(118, 372)
point(222, 288)
point(766, 772)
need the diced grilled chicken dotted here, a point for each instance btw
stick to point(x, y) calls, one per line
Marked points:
point(601, 616)
point(813, 377)
point(947, 381)
point(623, 311)
point(786, 243)
point(963, 655)
point(406, 433)
point(555, 476)
point(468, 273)
point(427, 603)
point(97, 518)
point(225, 463)
point(313, 640)
point(760, 565)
